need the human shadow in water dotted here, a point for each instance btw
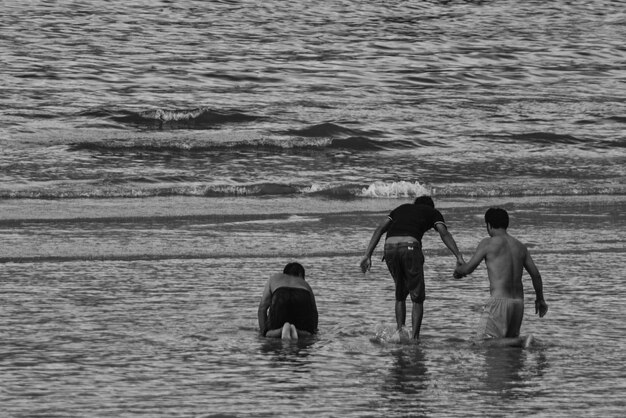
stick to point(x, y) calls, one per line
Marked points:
point(408, 373)
point(288, 349)
point(509, 369)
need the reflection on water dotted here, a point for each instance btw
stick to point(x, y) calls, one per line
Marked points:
point(408, 373)
point(282, 352)
point(510, 372)
point(503, 367)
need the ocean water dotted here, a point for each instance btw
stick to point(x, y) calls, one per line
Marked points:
point(144, 315)
point(110, 99)
point(159, 160)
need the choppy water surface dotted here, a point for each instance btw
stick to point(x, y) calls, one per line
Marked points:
point(159, 160)
point(142, 323)
point(109, 99)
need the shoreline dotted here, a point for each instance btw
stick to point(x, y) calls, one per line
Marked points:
point(14, 210)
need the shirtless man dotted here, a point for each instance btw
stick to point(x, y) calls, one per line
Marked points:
point(291, 304)
point(505, 258)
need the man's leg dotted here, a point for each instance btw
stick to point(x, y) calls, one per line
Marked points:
point(274, 333)
point(414, 269)
point(416, 318)
point(400, 313)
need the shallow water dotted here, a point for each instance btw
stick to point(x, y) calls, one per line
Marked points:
point(159, 160)
point(128, 327)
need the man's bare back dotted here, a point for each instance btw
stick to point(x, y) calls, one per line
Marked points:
point(506, 259)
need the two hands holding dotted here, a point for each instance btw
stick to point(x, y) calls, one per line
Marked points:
point(459, 264)
point(541, 307)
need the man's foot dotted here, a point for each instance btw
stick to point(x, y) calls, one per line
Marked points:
point(404, 334)
point(528, 341)
point(400, 335)
point(286, 333)
point(293, 332)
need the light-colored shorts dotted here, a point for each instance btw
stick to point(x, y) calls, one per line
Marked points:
point(501, 317)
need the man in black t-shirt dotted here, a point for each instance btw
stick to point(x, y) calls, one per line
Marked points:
point(405, 226)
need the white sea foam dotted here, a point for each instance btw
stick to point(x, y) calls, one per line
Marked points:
point(395, 189)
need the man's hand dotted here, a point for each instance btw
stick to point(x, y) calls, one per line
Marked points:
point(366, 263)
point(541, 307)
point(457, 274)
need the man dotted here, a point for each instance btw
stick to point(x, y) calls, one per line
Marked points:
point(291, 304)
point(505, 258)
point(405, 226)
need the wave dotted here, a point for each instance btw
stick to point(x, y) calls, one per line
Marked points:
point(162, 119)
point(317, 137)
point(325, 135)
point(395, 190)
point(290, 219)
point(548, 139)
point(539, 138)
point(238, 142)
point(553, 139)
point(329, 129)
point(377, 190)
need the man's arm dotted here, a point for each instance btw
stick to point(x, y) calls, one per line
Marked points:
point(467, 268)
point(541, 307)
point(366, 261)
point(449, 241)
point(266, 300)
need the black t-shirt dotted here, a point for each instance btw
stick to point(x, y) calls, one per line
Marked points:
point(413, 220)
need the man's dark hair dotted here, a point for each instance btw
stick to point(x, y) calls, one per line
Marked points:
point(424, 200)
point(497, 218)
point(294, 269)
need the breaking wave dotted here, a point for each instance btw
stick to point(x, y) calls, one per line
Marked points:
point(164, 119)
point(202, 129)
point(385, 190)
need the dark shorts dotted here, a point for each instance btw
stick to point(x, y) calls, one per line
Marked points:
point(406, 264)
point(295, 306)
